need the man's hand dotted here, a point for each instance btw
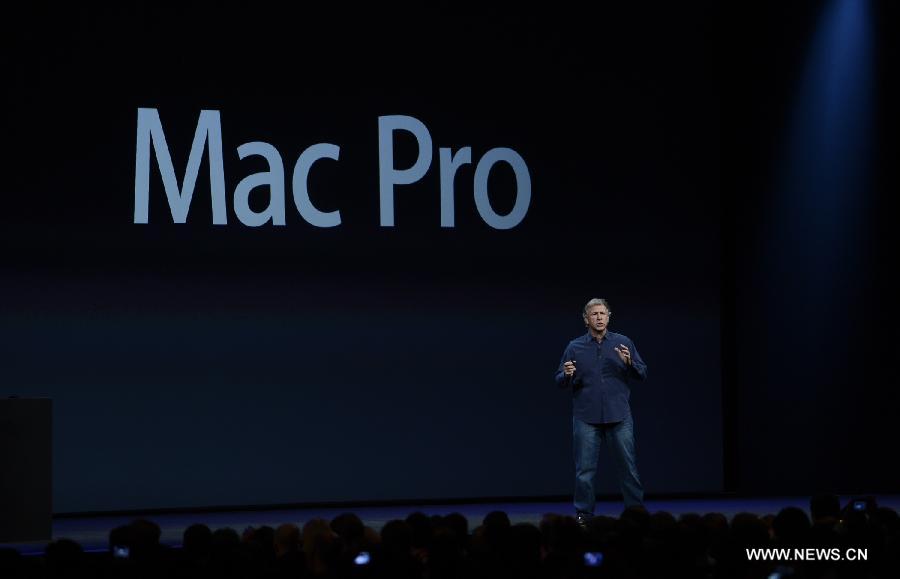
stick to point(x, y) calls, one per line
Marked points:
point(624, 354)
point(569, 368)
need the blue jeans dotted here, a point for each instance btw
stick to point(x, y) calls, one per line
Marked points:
point(620, 438)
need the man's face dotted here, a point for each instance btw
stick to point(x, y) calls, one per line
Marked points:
point(597, 318)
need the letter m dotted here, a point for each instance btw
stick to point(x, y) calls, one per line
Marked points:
point(149, 129)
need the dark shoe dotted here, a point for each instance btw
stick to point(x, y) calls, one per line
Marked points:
point(582, 520)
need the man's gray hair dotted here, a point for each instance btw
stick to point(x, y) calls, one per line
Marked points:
point(595, 302)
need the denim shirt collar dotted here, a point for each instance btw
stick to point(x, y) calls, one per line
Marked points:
point(588, 338)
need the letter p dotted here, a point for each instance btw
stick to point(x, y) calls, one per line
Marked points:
point(388, 176)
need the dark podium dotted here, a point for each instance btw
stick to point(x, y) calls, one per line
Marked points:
point(25, 469)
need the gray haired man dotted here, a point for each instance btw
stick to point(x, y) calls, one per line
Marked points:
point(600, 367)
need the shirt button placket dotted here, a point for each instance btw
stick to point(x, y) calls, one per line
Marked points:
point(600, 361)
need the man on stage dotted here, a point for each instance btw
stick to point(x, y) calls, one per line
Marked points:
point(599, 368)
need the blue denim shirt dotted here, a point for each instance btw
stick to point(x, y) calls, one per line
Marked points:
point(600, 385)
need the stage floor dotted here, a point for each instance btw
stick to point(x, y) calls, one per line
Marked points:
point(92, 532)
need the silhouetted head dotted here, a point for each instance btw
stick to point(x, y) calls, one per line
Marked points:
point(64, 557)
point(396, 538)
point(287, 539)
point(349, 527)
point(747, 529)
point(311, 531)
point(560, 533)
point(121, 536)
point(196, 540)
point(637, 515)
point(525, 546)
point(420, 524)
point(496, 529)
point(825, 508)
point(11, 563)
point(458, 523)
point(791, 526)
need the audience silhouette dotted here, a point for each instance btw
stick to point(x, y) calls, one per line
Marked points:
point(637, 544)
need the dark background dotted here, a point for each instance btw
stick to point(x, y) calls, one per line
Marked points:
point(812, 309)
point(196, 365)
